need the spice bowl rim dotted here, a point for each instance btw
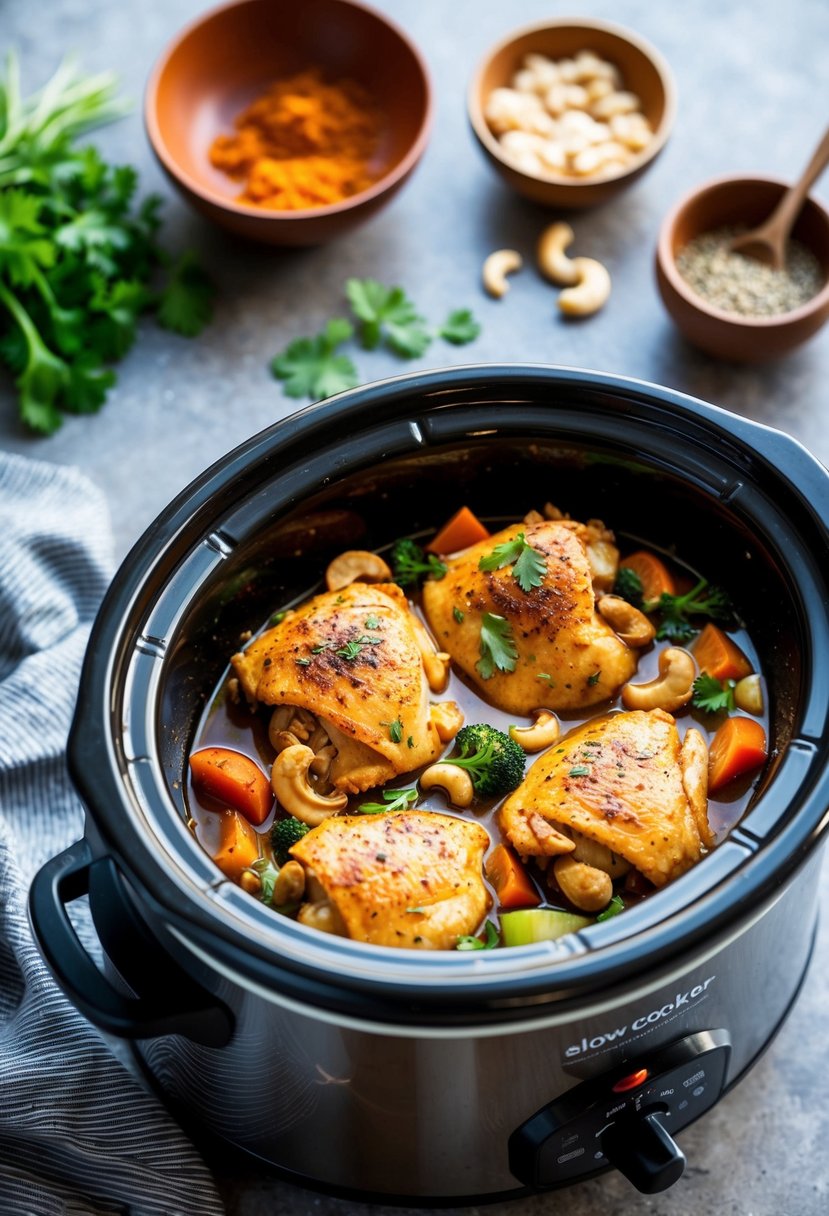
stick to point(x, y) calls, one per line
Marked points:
point(388, 180)
point(603, 180)
point(666, 256)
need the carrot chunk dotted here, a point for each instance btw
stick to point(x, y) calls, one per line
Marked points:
point(738, 746)
point(509, 878)
point(238, 847)
point(233, 779)
point(654, 575)
point(717, 655)
point(462, 530)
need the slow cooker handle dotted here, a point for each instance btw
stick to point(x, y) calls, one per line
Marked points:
point(177, 1005)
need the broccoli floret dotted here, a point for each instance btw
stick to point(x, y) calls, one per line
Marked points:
point(494, 761)
point(284, 833)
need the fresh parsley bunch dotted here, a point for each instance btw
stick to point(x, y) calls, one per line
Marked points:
point(77, 259)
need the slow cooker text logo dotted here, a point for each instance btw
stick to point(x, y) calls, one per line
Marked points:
point(648, 1019)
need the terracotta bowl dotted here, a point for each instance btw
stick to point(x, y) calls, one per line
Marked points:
point(644, 72)
point(229, 56)
point(739, 201)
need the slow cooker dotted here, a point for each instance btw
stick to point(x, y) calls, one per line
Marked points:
point(444, 1076)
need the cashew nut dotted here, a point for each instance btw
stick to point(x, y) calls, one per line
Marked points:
point(356, 566)
point(673, 687)
point(496, 268)
point(543, 732)
point(585, 886)
point(591, 291)
point(627, 622)
point(289, 781)
point(289, 884)
point(553, 262)
point(592, 853)
point(447, 719)
point(455, 783)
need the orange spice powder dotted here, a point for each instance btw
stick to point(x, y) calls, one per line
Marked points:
point(304, 143)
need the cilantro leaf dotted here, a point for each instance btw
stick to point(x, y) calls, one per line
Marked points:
point(395, 730)
point(387, 315)
point(497, 646)
point(311, 368)
point(24, 249)
point(410, 563)
point(713, 696)
point(186, 303)
point(460, 327)
point(616, 905)
point(529, 566)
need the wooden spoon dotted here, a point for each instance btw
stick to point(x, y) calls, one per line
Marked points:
point(767, 242)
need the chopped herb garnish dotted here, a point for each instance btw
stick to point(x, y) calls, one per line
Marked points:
point(278, 618)
point(322, 646)
point(581, 770)
point(311, 367)
point(497, 646)
point(545, 675)
point(387, 315)
point(410, 741)
point(594, 679)
point(528, 565)
point(676, 609)
point(393, 800)
point(416, 911)
point(410, 563)
point(458, 615)
point(353, 649)
point(372, 622)
point(616, 905)
point(340, 599)
point(268, 874)
point(395, 730)
point(713, 696)
point(303, 662)
point(474, 943)
point(459, 327)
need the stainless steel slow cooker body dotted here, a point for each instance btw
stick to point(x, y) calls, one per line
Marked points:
point(445, 1076)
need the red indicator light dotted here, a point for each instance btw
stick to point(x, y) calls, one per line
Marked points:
point(632, 1081)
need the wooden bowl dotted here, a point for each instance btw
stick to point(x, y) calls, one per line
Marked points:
point(644, 72)
point(230, 55)
point(739, 201)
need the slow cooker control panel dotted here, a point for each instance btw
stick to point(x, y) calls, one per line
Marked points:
point(626, 1118)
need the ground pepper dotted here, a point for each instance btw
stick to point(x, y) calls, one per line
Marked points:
point(740, 284)
point(306, 142)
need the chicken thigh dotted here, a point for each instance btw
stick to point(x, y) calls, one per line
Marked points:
point(624, 781)
point(566, 655)
point(353, 658)
point(410, 878)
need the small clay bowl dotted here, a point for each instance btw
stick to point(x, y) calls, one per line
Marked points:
point(644, 72)
point(739, 201)
point(229, 56)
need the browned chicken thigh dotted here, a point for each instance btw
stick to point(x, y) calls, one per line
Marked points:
point(353, 659)
point(624, 782)
point(410, 878)
point(565, 655)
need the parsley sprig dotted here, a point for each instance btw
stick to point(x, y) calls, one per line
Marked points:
point(411, 563)
point(713, 696)
point(498, 648)
point(528, 565)
point(78, 261)
point(675, 610)
point(393, 800)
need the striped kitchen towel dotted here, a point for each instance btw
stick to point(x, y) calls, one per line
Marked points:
point(79, 1132)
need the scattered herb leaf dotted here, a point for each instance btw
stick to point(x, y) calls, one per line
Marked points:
point(593, 679)
point(459, 327)
point(458, 615)
point(372, 622)
point(277, 618)
point(713, 696)
point(395, 730)
point(628, 585)
point(528, 565)
point(186, 303)
point(303, 662)
point(581, 770)
point(497, 646)
point(410, 741)
point(387, 315)
point(393, 800)
point(311, 367)
point(544, 675)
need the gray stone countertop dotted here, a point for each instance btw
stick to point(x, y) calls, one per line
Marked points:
point(749, 100)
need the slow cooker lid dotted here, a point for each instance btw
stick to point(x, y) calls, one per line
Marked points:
point(761, 480)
